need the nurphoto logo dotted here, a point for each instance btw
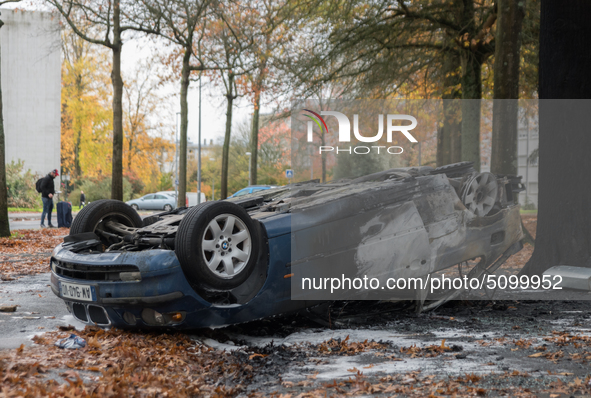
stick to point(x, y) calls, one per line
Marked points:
point(345, 132)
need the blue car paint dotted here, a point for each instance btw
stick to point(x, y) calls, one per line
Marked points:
point(250, 190)
point(161, 274)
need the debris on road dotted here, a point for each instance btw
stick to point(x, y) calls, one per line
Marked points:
point(578, 278)
point(72, 342)
point(290, 356)
point(487, 348)
point(8, 308)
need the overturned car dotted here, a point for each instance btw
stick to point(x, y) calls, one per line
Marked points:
point(237, 260)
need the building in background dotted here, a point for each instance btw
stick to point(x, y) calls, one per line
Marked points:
point(527, 162)
point(527, 158)
point(206, 149)
point(31, 88)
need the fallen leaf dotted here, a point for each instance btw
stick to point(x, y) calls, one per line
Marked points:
point(253, 356)
point(66, 328)
point(536, 355)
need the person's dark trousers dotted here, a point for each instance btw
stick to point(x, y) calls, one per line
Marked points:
point(47, 209)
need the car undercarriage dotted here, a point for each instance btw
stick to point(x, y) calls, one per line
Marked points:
point(240, 259)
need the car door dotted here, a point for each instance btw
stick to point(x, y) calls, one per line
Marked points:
point(159, 201)
point(147, 202)
point(170, 199)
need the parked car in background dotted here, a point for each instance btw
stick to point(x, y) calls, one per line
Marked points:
point(153, 201)
point(252, 188)
point(190, 200)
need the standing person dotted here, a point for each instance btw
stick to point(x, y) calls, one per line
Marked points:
point(47, 192)
point(82, 200)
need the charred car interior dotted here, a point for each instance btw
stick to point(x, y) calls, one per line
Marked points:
point(241, 259)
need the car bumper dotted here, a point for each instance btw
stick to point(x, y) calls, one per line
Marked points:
point(161, 297)
point(143, 289)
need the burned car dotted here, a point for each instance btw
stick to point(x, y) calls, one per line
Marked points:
point(237, 260)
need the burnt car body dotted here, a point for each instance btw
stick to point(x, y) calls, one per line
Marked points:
point(238, 260)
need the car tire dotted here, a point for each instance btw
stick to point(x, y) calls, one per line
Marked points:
point(167, 207)
point(214, 254)
point(91, 216)
point(135, 207)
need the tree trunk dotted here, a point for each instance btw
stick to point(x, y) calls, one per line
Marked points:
point(226, 149)
point(185, 74)
point(506, 86)
point(448, 135)
point(130, 152)
point(471, 87)
point(4, 221)
point(504, 137)
point(563, 234)
point(117, 161)
point(254, 137)
point(471, 96)
point(453, 123)
point(442, 156)
point(77, 168)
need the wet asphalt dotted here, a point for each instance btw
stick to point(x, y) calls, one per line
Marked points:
point(486, 338)
point(38, 310)
point(489, 337)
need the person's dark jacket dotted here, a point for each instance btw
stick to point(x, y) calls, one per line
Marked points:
point(47, 186)
point(82, 198)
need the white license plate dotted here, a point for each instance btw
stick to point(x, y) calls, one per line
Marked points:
point(76, 292)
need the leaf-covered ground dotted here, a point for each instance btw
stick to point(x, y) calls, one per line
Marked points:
point(363, 349)
point(121, 364)
point(116, 363)
point(27, 251)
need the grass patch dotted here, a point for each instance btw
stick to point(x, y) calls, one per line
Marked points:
point(534, 212)
point(25, 210)
point(16, 235)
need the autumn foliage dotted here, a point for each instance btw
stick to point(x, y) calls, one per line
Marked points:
point(87, 120)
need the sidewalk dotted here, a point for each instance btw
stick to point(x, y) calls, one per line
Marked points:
point(23, 216)
point(28, 215)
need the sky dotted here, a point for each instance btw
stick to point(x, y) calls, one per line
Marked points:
point(213, 112)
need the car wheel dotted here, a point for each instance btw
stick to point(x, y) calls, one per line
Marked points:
point(135, 207)
point(217, 244)
point(167, 207)
point(93, 218)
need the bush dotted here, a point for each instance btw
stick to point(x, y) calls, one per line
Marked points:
point(137, 185)
point(165, 182)
point(21, 186)
point(528, 205)
point(98, 189)
point(74, 197)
